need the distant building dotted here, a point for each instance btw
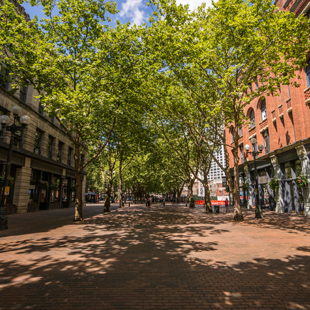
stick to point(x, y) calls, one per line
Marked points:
point(216, 172)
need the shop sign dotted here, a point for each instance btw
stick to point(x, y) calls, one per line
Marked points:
point(263, 179)
point(7, 190)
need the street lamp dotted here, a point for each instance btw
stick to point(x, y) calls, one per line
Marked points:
point(5, 120)
point(254, 153)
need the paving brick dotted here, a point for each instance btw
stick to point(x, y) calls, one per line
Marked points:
point(157, 258)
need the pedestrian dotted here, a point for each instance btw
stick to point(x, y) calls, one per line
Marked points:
point(226, 205)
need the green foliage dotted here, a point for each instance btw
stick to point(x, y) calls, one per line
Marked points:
point(274, 184)
point(301, 181)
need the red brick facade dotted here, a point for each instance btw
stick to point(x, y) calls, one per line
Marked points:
point(288, 115)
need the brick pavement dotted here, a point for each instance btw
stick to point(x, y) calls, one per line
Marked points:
point(157, 258)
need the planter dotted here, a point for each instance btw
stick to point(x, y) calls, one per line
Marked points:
point(301, 181)
point(32, 208)
point(10, 209)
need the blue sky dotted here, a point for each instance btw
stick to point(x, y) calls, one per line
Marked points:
point(135, 11)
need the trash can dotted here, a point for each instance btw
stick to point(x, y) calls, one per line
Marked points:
point(216, 209)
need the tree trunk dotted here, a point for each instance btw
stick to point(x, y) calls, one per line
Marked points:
point(208, 204)
point(78, 216)
point(107, 202)
point(120, 191)
point(79, 197)
point(191, 195)
point(238, 216)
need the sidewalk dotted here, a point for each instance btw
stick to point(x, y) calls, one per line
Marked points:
point(168, 257)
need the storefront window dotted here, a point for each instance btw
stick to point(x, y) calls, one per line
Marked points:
point(55, 189)
point(33, 187)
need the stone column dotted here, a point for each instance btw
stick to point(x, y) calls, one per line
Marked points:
point(250, 190)
point(55, 149)
point(278, 176)
point(22, 183)
point(305, 170)
point(44, 143)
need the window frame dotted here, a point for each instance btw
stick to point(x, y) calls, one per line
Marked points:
point(266, 139)
point(252, 119)
point(307, 71)
point(263, 110)
point(23, 91)
point(38, 143)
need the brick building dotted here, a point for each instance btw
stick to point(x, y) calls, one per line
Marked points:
point(42, 153)
point(282, 125)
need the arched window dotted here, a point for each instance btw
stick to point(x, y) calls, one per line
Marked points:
point(232, 133)
point(308, 73)
point(263, 109)
point(252, 118)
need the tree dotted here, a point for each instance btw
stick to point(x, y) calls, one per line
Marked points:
point(216, 53)
point(80, 67)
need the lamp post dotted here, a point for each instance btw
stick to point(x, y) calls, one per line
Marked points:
point(4, 120)
point(254, 153)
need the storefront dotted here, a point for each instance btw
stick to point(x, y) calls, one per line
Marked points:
point(285, 166)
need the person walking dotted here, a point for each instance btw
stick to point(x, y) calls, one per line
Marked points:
point(226, 205)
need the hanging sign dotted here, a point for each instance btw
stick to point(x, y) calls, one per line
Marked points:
point(7, 190)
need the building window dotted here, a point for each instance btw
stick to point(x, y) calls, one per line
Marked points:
point(17, 137)
point(50, 147)
point(23, 93)
point(37, 142)
point(266, 141)
point(252, 119)
point(308, 73)
point(250, 87)
point(240, 131)
point(263, 109)
point(256, 82)
point(70, 151)
point(60, 149)
point(2, 112)
point(4, 77)
point(232, 133)
point(41, 108)
point(254, 149)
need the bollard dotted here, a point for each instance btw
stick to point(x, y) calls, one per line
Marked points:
point(129, 204)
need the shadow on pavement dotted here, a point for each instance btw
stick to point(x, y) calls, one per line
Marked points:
point(146, 260)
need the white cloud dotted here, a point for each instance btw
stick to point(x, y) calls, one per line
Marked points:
point(133, 9)
point(193, 4)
